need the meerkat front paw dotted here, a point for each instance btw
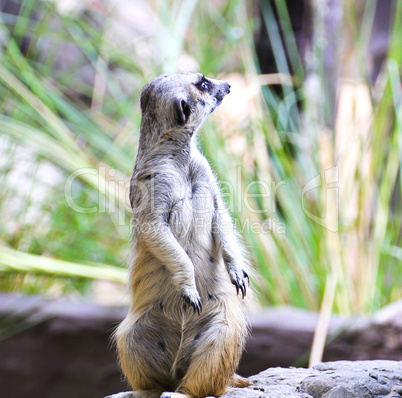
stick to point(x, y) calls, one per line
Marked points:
point(238, 278)
point(192, 299)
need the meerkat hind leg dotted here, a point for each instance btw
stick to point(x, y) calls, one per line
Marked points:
point(211, 371)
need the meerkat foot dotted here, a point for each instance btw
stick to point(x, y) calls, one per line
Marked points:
point(175, 395)
point(179, 395)
point(126, 394)
point(135, 394)
point(239, 381)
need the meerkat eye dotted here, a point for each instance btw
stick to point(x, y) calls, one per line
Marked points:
point(204, 85)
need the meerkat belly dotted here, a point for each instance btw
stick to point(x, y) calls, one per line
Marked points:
point(191, 221)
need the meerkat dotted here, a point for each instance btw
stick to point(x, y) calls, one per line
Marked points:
point(186, 326)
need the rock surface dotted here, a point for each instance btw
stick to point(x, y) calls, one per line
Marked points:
point(342, 379)
point(282, 336)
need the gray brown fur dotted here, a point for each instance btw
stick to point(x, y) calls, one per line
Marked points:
point(186, 326)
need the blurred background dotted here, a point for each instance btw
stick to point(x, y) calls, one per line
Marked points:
point(307, 145)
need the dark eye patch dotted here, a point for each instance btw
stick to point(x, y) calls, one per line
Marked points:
point(204, 84)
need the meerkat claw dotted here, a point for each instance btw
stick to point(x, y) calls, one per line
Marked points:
point(195, 304)
point(239, 282)
point(236, 283)
point(246, 276)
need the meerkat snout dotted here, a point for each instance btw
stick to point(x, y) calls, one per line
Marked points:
point(225, 90)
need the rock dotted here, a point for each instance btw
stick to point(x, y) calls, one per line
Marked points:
point(282, 336)
point(365, 338)
point(342, 379)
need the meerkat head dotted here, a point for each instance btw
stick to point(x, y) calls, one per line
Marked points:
point(181, 101)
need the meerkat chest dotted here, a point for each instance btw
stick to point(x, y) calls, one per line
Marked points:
point(192, 213)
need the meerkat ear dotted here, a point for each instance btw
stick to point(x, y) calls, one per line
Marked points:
point(182, 111)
